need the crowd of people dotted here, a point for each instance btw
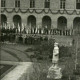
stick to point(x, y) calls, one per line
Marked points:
point(45, 31)
point(9, 34)
point(28, 39)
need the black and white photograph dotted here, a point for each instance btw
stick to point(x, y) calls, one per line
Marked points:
point(39, 39)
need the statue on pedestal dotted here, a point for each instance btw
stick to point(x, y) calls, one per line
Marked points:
point(54, 71)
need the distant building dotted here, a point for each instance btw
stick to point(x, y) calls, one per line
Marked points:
point(51, 13)
point(60, 14)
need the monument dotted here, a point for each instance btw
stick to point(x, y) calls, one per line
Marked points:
point(54, 71)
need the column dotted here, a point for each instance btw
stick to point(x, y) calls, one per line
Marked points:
point(39, 21)
point(10, 20)
point(70, 22)
point(54, 22)
point(24, 19)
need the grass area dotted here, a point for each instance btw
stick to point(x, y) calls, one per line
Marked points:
point(67, 59)
point(7, 57)
point(4, 69)
point(14, 53)
point(41, 66)
point(41, 70)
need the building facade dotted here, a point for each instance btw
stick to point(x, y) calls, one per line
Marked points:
point(50, 14)
point(33, 13)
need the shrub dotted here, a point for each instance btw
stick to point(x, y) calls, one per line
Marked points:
point(77, 71)
point(65, 51)
point(29, 50)
point(45, 50)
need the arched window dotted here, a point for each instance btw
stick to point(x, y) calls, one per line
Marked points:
point(77, 4)
point(32, 3)
point(3, 19)
point(47, 3)
point(3, 2)
point(17, 20)
point(76, 23)
point(31, 21)
point(62, 4)
point(62, 23)
point(46, 22)
point(17, 3)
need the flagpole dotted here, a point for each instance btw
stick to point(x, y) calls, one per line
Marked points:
point(22, 28)
point(5, 26)
point(18, 28)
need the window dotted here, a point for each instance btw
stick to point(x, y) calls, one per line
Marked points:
point(3, 3)
point(17, 3)
point(32, 3)
point(47, 3)
point(62, 4)
point(77, 4)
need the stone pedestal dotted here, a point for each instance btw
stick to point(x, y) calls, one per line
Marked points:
point(54, 72)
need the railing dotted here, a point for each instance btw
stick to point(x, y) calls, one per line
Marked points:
point(67, 32)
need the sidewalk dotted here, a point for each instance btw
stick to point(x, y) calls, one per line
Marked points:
point(22, 71)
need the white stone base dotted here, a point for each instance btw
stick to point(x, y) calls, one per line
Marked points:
point(54, 72)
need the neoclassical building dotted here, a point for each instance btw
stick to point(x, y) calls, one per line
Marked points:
point(33, 13)
point(51, 14)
